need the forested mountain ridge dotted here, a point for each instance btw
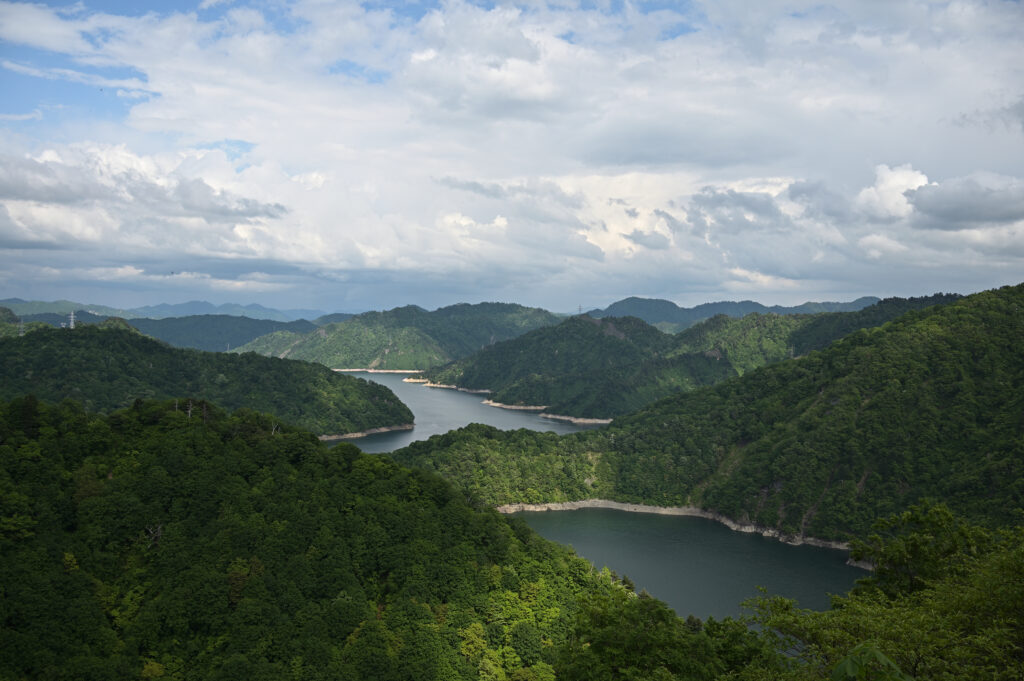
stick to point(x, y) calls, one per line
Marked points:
point(109, 368)
point(405, 338)
point(605, 368)
point(670, 318)
point(927, 405)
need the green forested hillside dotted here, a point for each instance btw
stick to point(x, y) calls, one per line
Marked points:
point(108, 368)
point(145, 544)
point(931, 404)
point(605, 368)
point(405, 337)
point(586, 367)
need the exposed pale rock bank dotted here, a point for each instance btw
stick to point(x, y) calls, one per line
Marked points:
point(692, 511)
point(364, 433)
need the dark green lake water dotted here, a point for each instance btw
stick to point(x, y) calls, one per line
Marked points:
point(697, 566)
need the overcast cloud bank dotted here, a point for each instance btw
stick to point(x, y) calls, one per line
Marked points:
point(348, 155)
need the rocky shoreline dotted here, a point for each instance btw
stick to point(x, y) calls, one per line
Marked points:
point(691, 511)
point(445, 386)
point(382, 371)
point(513, 407)
point(577, 420)
point(364, 433)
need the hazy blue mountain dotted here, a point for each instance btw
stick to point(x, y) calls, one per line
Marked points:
point(671, 318)
point(161, 311)
point(199, 307)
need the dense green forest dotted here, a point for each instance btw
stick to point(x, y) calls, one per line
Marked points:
point(591, 368)
point(405, 337)
point(147, 544)
point(930, 404)
point(670, 318)
point(110, 366)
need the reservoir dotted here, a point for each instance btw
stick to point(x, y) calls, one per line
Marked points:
point(438, 410)
point(697, 566)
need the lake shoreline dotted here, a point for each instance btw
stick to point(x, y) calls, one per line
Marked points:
point(445, 386)
point(380, 371)
point(689, 511)
point(364, 433)
point(577, 420)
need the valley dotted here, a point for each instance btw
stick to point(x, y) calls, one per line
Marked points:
point(119, 450)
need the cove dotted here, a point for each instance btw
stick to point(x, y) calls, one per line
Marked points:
point(698, 566)
point(438, 410)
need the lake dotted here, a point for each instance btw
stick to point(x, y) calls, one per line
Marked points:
point(695, 565)
point(438, 410)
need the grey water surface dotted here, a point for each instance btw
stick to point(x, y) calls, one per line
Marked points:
point(697, 566)
point(438, 410)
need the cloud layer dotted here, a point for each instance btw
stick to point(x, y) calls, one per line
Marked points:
point(350, 155)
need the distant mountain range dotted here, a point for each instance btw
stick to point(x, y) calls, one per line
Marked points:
point(670, 318)
point(161, 311)
point(604, 368)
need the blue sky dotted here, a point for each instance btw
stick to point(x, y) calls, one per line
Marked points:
point(560, 153)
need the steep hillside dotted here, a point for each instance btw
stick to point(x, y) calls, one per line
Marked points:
point(584, 367)
point(671, 318)
point(108, 368)
point(406, 337)
point(928, 405)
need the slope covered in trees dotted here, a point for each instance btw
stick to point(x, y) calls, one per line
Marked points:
point(671, 318)
point(586, 367)
point(928, 405)
point(146, 544)
point(405, 337)
point(604, 368)
point(108, 368)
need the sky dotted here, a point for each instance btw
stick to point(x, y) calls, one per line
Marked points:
point(347, 156)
